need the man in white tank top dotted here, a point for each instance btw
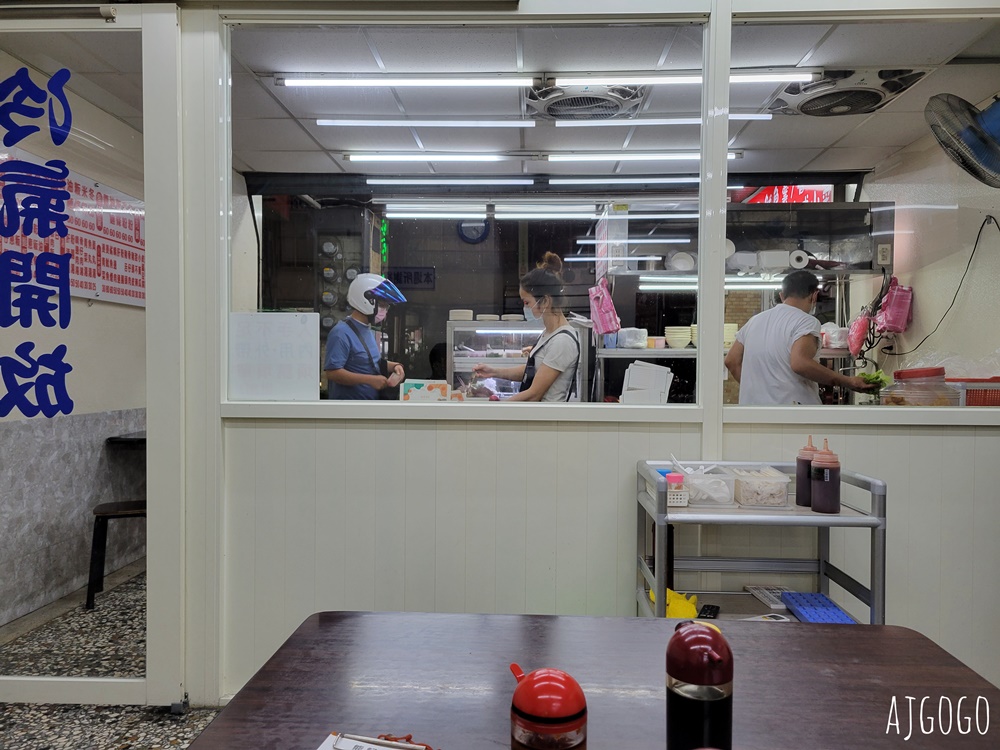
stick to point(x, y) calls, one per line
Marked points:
point(774, 356)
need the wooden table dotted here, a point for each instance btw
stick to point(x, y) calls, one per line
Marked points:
point(445, 678)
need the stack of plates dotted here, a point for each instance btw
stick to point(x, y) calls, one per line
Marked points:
point(694, 334)
point(460, 315)
point(729, 334)
point(512, 316)
point(677, 336)
point(487, 316)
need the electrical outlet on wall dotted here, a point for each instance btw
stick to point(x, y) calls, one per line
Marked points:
point(884, 256)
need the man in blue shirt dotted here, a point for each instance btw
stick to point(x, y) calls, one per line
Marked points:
point(353, 356)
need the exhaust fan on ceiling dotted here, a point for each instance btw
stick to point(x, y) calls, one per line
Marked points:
point(970, 137)
point(845, 92)
point(585, 102)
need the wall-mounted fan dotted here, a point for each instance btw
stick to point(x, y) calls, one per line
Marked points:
point(970, 137)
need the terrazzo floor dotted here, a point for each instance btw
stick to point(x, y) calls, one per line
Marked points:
point(108, 641)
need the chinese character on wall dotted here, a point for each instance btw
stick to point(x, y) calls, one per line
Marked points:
point(34, 281)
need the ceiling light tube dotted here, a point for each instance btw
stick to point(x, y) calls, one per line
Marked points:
point(691, 279)
point(437, 206)
point(640, 241)
point(644, 217)
point(665, 79)
point(623, 180)
point(445, 181)
point(694, 287)
point(635, 156)
point(470, 216)
point(370, 81)
point(612, 123)
point(545, 208)
point(512, 216)
point(427, 157)
point(427, 123)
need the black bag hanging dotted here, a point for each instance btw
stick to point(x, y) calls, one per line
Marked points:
point(390, 392)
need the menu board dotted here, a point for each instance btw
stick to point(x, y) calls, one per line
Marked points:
point(106, 239)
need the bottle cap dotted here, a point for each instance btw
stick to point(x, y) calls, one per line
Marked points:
point(826, 457)
point(698, 654)
point(809, 450)
point(547, 695)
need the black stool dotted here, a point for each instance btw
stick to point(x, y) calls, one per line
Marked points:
point(102, 514)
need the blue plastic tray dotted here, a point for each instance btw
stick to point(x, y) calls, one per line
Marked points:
point(815, 608)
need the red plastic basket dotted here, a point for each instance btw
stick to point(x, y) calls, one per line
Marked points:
point(978, 391)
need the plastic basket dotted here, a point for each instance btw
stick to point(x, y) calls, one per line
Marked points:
point(978, 391)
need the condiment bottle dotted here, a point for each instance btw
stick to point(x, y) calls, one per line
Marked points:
point(548, 710)
point(825, 475)
point(803, 477)
point(699, 688)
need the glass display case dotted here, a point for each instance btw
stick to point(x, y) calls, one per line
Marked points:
point(501, 344)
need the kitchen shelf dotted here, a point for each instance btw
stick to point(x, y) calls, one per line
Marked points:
point(504, 335)
point(651, 503)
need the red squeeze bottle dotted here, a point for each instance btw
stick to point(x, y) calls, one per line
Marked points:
point(803, 478)
point(825, 475)
point(699, 688)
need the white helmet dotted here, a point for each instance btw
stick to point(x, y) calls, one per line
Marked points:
point(368, 287)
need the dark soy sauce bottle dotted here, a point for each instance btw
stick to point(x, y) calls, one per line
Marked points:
point(803, 476)
point(699, 688)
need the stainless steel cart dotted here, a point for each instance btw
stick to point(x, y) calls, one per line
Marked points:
point(651, 497)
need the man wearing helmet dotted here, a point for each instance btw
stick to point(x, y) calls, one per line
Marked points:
point(353, 355)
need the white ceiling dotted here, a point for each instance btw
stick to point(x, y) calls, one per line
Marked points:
point(274, 127)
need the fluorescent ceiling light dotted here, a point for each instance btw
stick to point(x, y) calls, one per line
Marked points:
point(427, 123)
point(641, 217)
point(554, 215)
point(645, 79)
point(635, 156)
point(445, 181)
point(437, 206)
point(383, 81)
point(592, 258)
point(545, 208)
point(624, 180)
point(426, 157)
point(615, 123)
point(619, 156)
point(612, 123)
point(624, 79)
point(471, 216)
point(641, 241)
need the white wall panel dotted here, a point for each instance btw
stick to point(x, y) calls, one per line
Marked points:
point(421, 474)
point(982, 594)
point(434, 516)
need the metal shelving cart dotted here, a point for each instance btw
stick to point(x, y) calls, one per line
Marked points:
point(651, 497)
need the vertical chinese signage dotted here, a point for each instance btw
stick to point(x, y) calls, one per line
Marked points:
point(60, 235)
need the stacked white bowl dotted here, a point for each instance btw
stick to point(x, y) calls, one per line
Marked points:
point(729, 334)
point(694, 334)
point(677, 337)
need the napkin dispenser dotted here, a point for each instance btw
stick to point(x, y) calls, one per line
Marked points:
point(646, 383)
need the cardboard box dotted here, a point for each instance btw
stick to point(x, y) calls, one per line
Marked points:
point(425, 390)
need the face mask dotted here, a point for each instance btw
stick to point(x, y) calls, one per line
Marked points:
point(380, 314)
point(529, 313)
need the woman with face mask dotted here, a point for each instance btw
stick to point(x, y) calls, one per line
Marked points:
point(353, 356)
point(550, 373)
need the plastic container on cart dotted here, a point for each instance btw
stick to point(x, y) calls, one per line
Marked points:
point(713, 488)
point(924, 386)
point(760, 486)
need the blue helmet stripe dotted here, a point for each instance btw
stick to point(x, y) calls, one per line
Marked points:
point(389, 292)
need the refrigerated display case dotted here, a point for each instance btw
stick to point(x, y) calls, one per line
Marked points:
point(502, 344)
